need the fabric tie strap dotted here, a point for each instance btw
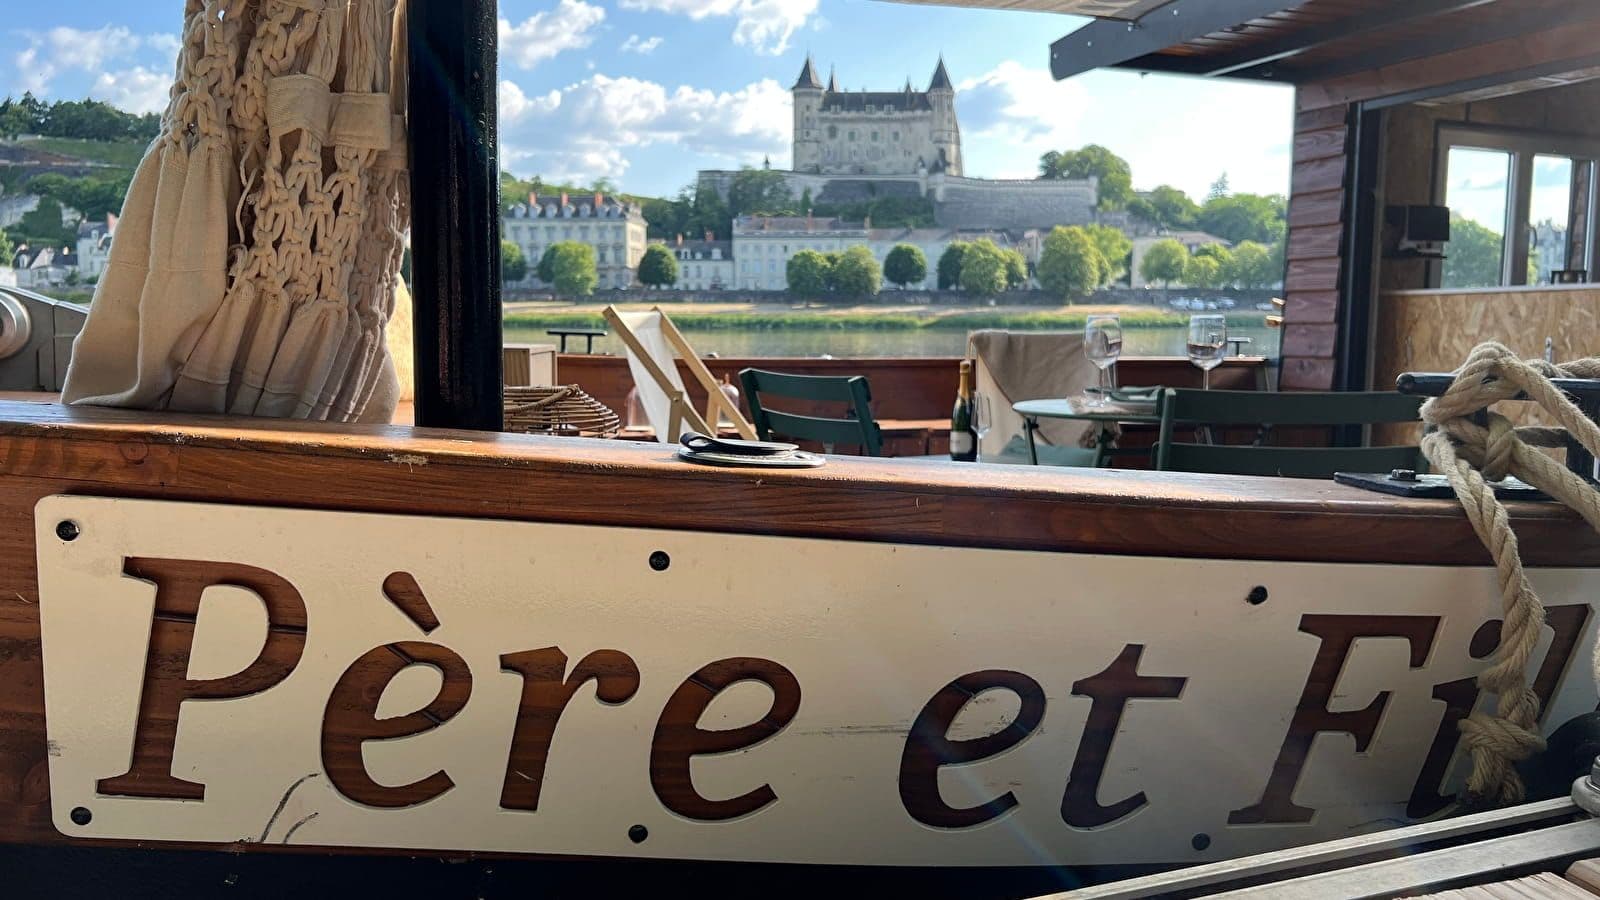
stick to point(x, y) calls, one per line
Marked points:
point(355, 121)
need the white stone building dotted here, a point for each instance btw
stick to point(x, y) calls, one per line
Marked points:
point(94, 246)
point(764, 245)
point(614, 228)
point(903, 132)
point(706, 265)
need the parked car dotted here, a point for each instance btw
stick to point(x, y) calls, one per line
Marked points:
point(1226, 303)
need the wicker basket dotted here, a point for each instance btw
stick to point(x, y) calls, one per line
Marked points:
point(563, 411)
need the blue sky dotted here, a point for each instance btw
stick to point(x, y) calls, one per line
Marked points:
point(646, 92)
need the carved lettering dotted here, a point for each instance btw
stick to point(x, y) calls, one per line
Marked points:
point(544, 698)
point(1312, 717)
point(929, 747)
point(180, 585)
point(1111, 691)
point(679, 737)
point(350, 720)
point(1461, 697)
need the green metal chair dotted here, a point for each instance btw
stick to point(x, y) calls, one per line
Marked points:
point(1264, 411)
point(860, 430)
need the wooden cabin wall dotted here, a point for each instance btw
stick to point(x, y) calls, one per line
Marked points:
point(1314, 285)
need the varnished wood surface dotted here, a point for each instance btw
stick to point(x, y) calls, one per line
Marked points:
point(46, 449)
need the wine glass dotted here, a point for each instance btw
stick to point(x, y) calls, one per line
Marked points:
point(1102, 343)
point(982, 419)
point(1208, 343)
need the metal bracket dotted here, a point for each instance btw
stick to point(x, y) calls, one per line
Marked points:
point(1403, 483)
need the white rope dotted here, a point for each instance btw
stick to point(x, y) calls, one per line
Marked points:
point(1471, 455)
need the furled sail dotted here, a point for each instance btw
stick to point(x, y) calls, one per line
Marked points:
point(257, 262)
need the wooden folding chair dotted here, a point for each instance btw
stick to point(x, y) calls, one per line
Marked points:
point(654, 345)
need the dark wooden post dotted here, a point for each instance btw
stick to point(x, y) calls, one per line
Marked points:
point(455, 222)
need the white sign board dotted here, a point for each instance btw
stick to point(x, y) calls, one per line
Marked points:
point(219, 674)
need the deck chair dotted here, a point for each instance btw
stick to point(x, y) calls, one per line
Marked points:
point(860, 429)
point(654, 346)
point(1016, 366)
point(1264, 411)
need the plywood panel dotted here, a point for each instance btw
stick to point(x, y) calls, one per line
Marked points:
point(1436, 331)
point(1306, 374)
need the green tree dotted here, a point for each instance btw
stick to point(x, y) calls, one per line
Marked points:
point(546, 270)
point(1171, 208)
point(1245, 217)
point(1219, 188)
point(1016, 269)
point(513, 265)
point(983, 269)
point(1203, 272)
point(761, 191)
point(950, 265)
point(1253, 267)
point(1070, 263)
point(905, 265)
point(8, 250)
point(1475, 256)
point(857, 274)
point(1165, 262)
point(576, 273)
point(806, 203)
point(43, 226)
point(809, 274)
point(658, 268)
point(1116, 252)
point(1093, 161)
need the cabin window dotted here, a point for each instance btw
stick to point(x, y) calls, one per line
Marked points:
point(1521, 205)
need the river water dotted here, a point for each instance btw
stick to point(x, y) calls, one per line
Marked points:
point(805, 342)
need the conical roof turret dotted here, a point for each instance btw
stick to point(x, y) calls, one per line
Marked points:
point(808, 78)
point(941, 79)
point(833, 81)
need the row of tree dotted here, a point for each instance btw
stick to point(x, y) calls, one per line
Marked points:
point(89, 120)
point(1232, 216)
point(1248, 265)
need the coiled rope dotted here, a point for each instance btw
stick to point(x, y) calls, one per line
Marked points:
point(1474, 446)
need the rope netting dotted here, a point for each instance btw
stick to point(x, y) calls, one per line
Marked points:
point(285, 139)
point(1473, 446)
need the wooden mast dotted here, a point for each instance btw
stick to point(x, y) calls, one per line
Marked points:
point(455, 231)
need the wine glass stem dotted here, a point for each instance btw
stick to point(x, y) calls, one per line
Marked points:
point(1205, 378)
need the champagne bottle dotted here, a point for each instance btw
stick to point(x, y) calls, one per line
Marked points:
point(963, 438)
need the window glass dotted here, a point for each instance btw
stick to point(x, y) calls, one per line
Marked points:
point(1478, 194)
point(1550, 215)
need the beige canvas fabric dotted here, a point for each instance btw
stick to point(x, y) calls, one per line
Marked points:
point(256, 265)
point(1016, 366)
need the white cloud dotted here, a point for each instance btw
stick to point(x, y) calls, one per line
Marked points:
point(588, 129)
point(570, 26)
point(765, 25)
point(50, 53)
point(1021, 110)
point(643, 47)
point(1178, 131)
point(136, 90)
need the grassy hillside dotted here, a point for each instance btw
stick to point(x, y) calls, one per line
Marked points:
point(122, 154)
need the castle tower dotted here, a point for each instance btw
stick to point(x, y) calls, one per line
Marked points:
point(807, 92)
point(946, 130)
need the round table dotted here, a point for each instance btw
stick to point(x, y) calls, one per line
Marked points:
point(1077, 408)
